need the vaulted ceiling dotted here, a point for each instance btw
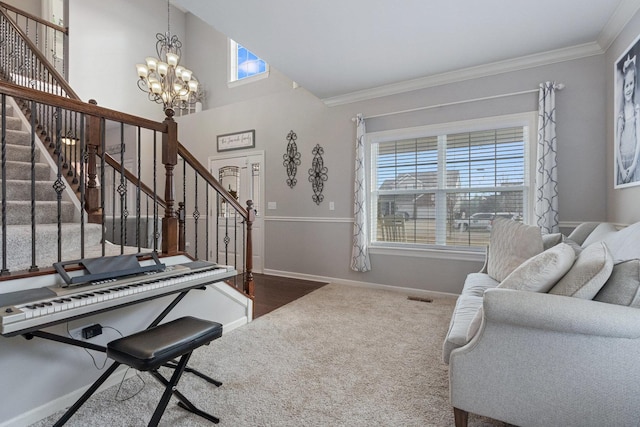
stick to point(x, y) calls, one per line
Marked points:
point(350, 49)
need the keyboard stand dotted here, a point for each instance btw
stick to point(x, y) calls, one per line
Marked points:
point(96, 385)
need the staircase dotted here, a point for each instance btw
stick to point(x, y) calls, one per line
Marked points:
point(18, 207)
point(74, 213)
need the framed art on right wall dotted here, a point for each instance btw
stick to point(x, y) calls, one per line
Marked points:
point(627, 118)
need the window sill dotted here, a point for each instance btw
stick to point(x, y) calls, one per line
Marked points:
point(453, 253)
point(247, 80)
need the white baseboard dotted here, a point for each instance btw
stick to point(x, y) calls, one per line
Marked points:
point(356, 283)
point(53, 406)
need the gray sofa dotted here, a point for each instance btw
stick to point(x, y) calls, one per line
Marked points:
point(562, 351)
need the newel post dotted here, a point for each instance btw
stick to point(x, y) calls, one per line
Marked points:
point(92, 192)
point(248, 284)
point(170, 159)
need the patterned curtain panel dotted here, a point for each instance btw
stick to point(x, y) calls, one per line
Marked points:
point(546, 207)
point(360, 253)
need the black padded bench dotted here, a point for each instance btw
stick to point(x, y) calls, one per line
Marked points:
point(152, 348)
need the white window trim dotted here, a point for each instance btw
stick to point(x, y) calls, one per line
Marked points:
point(473, 253)
point(232, 69)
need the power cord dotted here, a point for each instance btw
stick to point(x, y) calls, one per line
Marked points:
point(120, 399)
point(123, 399)
point(95, 363)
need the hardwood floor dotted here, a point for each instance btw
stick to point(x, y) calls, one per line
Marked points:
point(272, 292)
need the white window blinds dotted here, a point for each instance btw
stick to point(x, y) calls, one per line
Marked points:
point(446, 189)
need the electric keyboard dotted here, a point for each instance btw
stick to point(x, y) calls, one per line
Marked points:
point(25, 311)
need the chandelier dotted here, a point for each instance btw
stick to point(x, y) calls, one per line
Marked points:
point(163, 79)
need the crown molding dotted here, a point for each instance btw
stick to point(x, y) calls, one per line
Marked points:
point(620, 18)
point(525, 62)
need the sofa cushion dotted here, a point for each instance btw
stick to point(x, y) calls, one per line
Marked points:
point(588, 274)
point(511, 243)
point(623, 285)
point(477, 283)
point(466, 307)
point(623, 244)
point(603, 230)
point(474, 325)
point(540, 273)
point(582, 231)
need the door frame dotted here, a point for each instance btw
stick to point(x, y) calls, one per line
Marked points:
point(258, 224)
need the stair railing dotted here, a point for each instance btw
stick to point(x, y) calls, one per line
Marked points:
point(47, 37)
point(155, 145)
point(76, 135)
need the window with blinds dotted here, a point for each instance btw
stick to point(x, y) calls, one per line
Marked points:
point(446, 189)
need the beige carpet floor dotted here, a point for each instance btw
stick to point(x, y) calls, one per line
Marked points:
point(340, 356)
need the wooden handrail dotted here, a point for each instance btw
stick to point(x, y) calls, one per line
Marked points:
point(133, 179)
point(79, 106)
point(195, 164)
point(61, 80)
point(34, 18)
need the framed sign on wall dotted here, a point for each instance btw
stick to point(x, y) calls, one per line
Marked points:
point(237, 140)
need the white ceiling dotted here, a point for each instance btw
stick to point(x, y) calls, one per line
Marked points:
point(350, 49)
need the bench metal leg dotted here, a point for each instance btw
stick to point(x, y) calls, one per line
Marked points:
point(170, 388)
point(195, 372)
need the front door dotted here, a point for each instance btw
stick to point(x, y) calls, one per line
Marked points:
point(242, 176)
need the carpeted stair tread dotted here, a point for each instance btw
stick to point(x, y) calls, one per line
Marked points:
point(13, 123)
point(20, 190)
point(21, 153)
point(20, 237)
point(22, 170)
point(18, 137)
point(46, 212)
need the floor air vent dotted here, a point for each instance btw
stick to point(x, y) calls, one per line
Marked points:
point(421, 299)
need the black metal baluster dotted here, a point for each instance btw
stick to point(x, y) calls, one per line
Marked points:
point(58, 185)
point(122, 190)
point(113, 205)
point(218, 206)
point(196, 214)
point(34, 266)
point(156, 234)
point(102, 180)
point(184, 197)
point(235, 236)
point(206, 231)
point(5, 270)
point(138, 195)
point(83, 154)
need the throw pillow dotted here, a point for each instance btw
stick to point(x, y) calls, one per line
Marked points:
point(576, 247)
point(550, 240)
point(623, 285)
point(511, 243)
point(541, 272)
point(588, 274)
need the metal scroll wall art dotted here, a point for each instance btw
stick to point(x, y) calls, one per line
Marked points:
point(318, 174)
point(291, 159)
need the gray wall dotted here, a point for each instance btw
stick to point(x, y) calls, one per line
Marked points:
point(306, 240)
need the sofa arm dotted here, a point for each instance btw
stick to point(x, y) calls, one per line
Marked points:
point(539, 351)
point(561, 314)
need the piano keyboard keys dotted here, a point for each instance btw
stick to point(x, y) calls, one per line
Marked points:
point(111, 294)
